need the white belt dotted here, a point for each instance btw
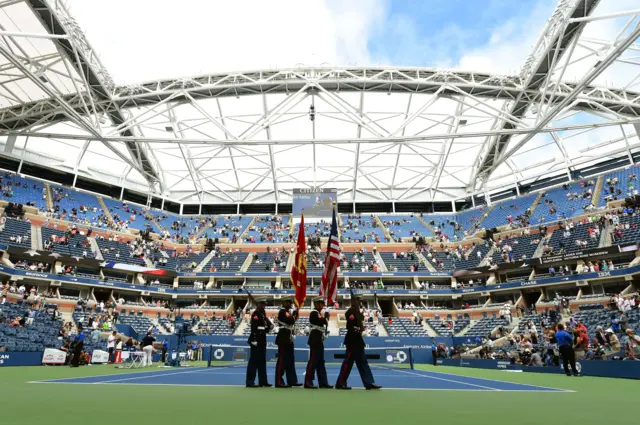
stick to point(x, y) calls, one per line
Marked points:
point(261, 328)
point(285, 326)
point(318, 328)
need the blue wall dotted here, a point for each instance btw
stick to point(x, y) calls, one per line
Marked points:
point(604, 368)
point(32, 358)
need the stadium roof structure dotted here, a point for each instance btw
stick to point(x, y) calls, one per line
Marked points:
point(376, 134)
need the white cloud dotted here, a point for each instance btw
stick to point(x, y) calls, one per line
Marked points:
point(144, 40)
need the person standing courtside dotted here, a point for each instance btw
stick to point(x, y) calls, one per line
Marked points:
point(318, 324)
point(565, 346)
point(78, 345)
point(147, 348)
point(260, 326)
point(284, 341)
point(355, 349)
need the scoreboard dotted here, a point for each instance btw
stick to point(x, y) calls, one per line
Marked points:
point(315, 202)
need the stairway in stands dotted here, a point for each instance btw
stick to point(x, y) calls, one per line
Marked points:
point(595, 197)
point(104, 208)
point(427, 225)
point(535, 203)
point(49, 196)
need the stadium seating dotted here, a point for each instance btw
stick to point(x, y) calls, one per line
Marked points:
point(630, 234)
point(361, 229)
point(469, 218)
point(485, 326)
point(405, 226)
point(123, 212)
point(508, 211)
point(217, 327)
point(235, 259)
point(110, 249)
point(473, 260)
point(22, 190)
point(441, 260)
point(265, 262)
point(623, 182)
point(403, 264)
point(362, 259)
point(140, 324)
point(318, 229)
point(77, 206)
point(41, 334)
point(442, 328)
point(562, 202)
point(529, 317)
point(580, 232)
point(14, 231)
point(520, 247)
point(75, 247)
point(269, 229)
point(189, 261)
point(402, 326)
point(227, 226)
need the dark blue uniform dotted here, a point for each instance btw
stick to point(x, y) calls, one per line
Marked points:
point(316, 356)
point(286, 356)
point(355, 351)
point(78, 345)
point(260, 326)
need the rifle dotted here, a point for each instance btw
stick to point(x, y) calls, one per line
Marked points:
point(251, 299)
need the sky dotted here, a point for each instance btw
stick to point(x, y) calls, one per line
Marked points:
point(144, 40)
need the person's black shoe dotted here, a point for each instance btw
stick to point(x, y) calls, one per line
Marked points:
point(327, 387)
point(266, 385)
point(311, 387)
point(568, 374)
point(252, 386)
point(283, 386)
point(373, 387)
point(342, 387)
point(577, 374)
point(296, 384)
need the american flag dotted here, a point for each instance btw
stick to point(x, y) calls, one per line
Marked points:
point(329, 286)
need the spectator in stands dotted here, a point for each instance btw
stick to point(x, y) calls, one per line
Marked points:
point(535, 359)
point(632, 345)
point(95, 335)
point(612, 340)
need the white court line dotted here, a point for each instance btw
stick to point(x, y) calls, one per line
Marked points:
point(145, 377)
point(450, 380)
point(218, 371)
point(143, 374)
point(293, 389)
point(492, 380)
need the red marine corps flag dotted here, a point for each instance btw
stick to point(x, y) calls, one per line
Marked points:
point(329, 285)
point(299, 270)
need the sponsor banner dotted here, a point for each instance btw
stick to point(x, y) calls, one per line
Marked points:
point(53, 356)
point(585, 253)
point(99, 356)
point(33, 358)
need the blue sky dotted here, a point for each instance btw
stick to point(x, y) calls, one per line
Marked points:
point(442, 32)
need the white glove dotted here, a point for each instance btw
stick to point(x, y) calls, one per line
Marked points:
point(254, 343)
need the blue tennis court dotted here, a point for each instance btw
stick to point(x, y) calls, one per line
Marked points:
point(391, 379)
